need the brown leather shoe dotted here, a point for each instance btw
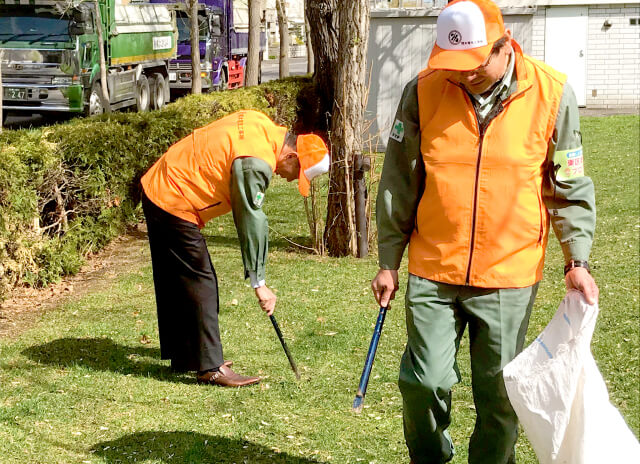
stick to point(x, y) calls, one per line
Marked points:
point(225, 377)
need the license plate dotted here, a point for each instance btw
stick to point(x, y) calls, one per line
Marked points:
point(172, 76)
point(15, 94)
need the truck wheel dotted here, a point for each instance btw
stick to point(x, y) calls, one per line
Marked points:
point(142, 94)
point(96, 103)
point(167, 91)
point(158, 91)
point(224, 82)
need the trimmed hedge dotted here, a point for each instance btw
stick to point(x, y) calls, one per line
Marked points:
point(66, 190)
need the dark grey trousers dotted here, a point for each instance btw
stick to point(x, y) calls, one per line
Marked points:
point(186, 289)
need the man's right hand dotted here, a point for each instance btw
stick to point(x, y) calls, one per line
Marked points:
point(384, 286)
point(266, 298)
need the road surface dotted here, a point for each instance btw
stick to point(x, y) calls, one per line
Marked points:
point(270, 69)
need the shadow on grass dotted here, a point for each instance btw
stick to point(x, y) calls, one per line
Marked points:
point(102, 354)
point(191, 447)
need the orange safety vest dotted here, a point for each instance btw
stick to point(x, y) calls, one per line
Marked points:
point(481, 220)
point(192, 179)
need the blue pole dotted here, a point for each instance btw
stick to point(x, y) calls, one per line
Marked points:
point(368, 364)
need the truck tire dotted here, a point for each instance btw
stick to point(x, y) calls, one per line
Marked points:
point(158, 86)
point(143, 95)
point(96, 104)
point(224, 81)
point(167, 92)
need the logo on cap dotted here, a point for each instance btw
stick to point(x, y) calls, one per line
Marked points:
point(455, 37)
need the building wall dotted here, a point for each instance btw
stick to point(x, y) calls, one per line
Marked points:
point(613, 57)
point(537, 34)
point(399, 45)
point(613, 53)
point(294, 9)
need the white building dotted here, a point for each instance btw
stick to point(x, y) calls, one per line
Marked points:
point(596, 44)
point(295, 16)
point(294, 8)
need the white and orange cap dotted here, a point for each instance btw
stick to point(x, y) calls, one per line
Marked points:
point(314, 159)
point(466, 32)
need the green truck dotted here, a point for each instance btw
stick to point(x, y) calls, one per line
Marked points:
point(51, 55)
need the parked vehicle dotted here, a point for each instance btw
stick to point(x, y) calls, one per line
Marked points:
point(224, 39)
point(52, 56)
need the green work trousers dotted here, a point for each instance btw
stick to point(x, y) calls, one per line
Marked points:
point(437, 315)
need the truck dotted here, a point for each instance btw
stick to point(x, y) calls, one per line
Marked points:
point(224, 37)
point(51, 55)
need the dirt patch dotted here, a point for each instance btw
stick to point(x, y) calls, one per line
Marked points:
point(25, 305)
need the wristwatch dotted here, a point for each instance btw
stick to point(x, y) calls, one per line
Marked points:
point(575, 263)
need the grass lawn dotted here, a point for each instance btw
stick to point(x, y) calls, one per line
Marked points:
point(86, 383)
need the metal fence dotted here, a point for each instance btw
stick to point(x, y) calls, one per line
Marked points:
point(297, 50)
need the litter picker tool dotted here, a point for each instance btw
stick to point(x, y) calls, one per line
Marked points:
point(284, 345)
point(368, 364)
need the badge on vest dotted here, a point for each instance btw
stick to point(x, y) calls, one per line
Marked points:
point(258, 199)
point(397, 132)
point(570, 164)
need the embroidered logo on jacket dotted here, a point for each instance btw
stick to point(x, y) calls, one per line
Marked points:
point(397, 133)
point(258, 199)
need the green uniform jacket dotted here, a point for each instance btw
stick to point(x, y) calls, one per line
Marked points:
point(249, 181)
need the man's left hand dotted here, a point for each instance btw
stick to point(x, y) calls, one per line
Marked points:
point(580, 279)
point(267, 299)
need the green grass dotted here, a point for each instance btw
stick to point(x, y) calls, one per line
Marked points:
point(80, 386)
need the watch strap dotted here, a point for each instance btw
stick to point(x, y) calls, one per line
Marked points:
point(576, 263)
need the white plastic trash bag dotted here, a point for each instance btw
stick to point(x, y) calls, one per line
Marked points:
point(560, 397)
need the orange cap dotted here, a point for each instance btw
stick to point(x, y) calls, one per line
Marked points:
point(313, 156)
point(466, 31)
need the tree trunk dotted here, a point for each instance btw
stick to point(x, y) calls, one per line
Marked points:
point(103, 60)
point(283, 29)
point(323, 19)
point(307, 37)
point(253, 57)
point(196, 79)
point(340, 83)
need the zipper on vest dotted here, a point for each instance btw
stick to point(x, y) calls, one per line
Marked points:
point(482, 129)
point(210, 206)
point(540, 206)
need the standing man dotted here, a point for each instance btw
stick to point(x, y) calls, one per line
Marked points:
point(225, 166)
point(484, 151)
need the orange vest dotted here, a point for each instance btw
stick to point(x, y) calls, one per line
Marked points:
point(481, 220)
point(192, 179)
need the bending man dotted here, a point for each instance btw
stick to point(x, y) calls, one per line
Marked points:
point(225, 166)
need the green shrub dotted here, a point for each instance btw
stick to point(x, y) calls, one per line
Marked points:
point(68, 189)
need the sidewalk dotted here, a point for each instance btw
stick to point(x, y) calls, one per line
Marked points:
point(608, 111)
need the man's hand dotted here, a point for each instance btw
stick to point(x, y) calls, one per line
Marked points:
point(580, 279)
point(266, 298)
point(384, 286)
